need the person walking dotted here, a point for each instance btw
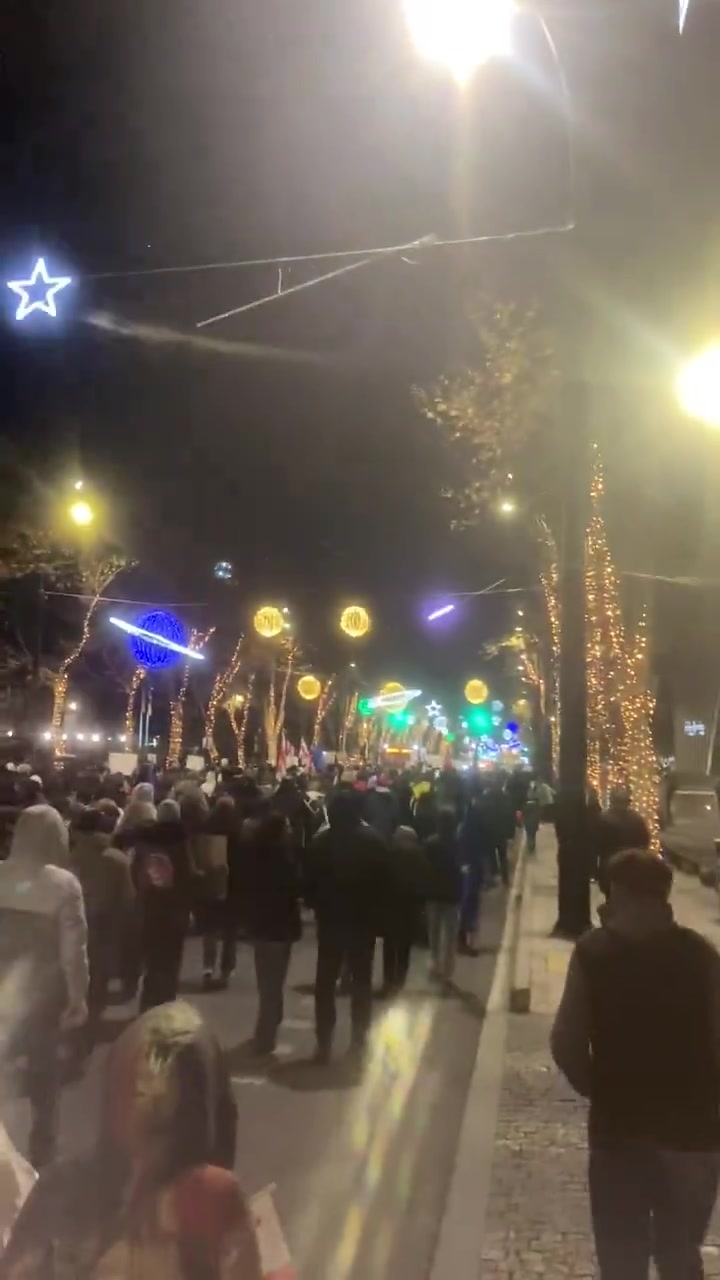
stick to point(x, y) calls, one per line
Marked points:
point(272, 914)
point(346, 882)
point(155, 1196)
point(407, 891)
point(43, 965)
point(638, 1033)
point(616, 828)
point(444, 895)
point(162, 878)
point(477, 851)
point(531, 811)
point(109, 897)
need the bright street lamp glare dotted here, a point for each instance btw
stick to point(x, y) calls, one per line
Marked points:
point(81, 513)
point(508, 507)
point(698, 386)
point(461, 34)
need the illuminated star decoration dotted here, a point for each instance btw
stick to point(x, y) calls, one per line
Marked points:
point(684, 5)
point(433, 708)
point(51, 286)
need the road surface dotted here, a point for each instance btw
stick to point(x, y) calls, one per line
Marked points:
point(362, 1167)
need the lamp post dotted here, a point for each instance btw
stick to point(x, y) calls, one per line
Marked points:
point(463, 34)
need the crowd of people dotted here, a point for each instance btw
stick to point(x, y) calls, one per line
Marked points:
point(105, 879)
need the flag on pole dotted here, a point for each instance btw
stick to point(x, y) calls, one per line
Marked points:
point(304, 757)
point(274, 1254)
point(282, 755)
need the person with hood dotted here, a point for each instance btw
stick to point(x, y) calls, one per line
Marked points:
point(272, 890)
point(346, 882)
point(445, 885)
point(162, 878)
point(408, 887)
point(43, 964)
point(156, 1196)
point(109, 896)
point(638, 1033)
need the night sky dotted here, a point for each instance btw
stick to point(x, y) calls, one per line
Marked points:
point(180, 132)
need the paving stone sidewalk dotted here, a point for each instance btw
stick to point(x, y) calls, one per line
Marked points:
point(537, 1220)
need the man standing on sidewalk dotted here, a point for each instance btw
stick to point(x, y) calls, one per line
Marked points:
point(638, 1033)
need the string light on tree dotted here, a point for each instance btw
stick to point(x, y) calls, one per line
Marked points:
point(221, 683)
point(198, 640)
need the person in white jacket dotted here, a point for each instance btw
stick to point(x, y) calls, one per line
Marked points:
point(43, 964)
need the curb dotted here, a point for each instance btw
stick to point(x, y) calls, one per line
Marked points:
point(459, 1246)
point(520, 982)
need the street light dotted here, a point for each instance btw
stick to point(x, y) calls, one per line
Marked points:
point(81, 513)
point(508, 507)
point(698, 386)
point(461, 34)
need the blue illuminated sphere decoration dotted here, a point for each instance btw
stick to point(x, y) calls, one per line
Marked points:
point(513, 728)
point(154, 656)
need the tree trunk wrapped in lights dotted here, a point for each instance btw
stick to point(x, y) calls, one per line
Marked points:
point(239, 717)
point(325, 702)
point(621, 703)
point(97, 575)
point(217, 696)
point(274, 711)
point(138, 676)
point(198, 640)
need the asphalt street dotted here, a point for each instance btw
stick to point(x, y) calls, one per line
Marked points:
point(361, 1165)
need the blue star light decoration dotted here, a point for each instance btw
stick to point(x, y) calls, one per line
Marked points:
point(40, 283)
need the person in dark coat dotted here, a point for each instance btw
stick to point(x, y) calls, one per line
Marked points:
point(162, 878)
point(615, 829)
point(501, 815)
point(272, 915)
point(408, 888)
point(477, 850)
point(445, 885)
point(380, 809)
point(346, 882)
point(109, 895)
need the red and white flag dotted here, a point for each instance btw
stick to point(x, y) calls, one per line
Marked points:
point(304, 757)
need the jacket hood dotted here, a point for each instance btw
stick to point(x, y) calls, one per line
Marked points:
point(166, 1093)
point(136, 812)
point(144, 791)
point(40, 836)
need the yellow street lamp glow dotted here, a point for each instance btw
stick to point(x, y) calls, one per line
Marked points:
point(698, 386)
point(476, 691)
point(268, 621)
point(309, 688)
point(355, 621)
point(81, 513)
point(508, 507)
point(461, 34)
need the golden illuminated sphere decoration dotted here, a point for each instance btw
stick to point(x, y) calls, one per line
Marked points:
point(268, 621)
point(309, 688)
point(355, 621)
point(476, 691)
point(391, 687)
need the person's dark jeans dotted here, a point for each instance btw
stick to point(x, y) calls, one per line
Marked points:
point(272, 961)
point(470, 906)
point(357, 946)
point(531, 831)
point(396, 958)
point(651, 1203)
point(162, 961)
point(42, 1079)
